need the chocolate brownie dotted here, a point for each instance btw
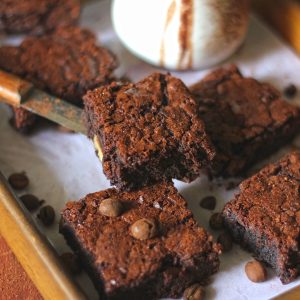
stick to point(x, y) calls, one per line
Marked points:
point(125, 265)
point(38, 16)
point(22, 119)
point(246, 119)
point(265, 216)
point(147, 131)
point(65, 63)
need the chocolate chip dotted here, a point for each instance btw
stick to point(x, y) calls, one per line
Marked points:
point(71, 262)
point(47, 215)
point(18, 181)
point(216, 221)
point(256, 271)
point(111, 207)
point(194, 292)
point(290, 91)
point(31, 202)
point(225, 240)
point(144, 229)
point(208, 202)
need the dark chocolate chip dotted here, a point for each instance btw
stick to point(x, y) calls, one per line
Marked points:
point(71, 262)
point(111, 207)
point(256, 271)
point(46, 215)
point(144, 229)
point(194, 292)
point(18, 181)
point(225, 240)
point(208, 202)
point(31, 202)
point(216, 221)
point(290, 91)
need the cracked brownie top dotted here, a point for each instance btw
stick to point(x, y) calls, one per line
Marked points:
point(65, 63)
point(244, 118)
point(125, 261)
point(154, 118)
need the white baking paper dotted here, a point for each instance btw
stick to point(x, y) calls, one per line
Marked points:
point(63, 166)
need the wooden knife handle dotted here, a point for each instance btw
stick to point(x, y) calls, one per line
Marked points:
point(33, 250)
point(13, 89)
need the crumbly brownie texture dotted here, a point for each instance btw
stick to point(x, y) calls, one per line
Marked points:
point(148, 131)
point(22, 119)
point(123, 267)
point(66, 63)
point(37, 16)
point(265, 217)
point(246, 119)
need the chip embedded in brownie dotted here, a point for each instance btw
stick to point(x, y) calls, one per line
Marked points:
point(148, 131)
point(65, 63)
point(38, 16)
point(265, 216)
point(246, 119)
point(139, 245)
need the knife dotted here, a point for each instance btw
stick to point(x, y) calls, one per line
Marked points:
point(21, 93)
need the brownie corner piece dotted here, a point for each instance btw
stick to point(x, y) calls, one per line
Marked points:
point(148, 131)
point(264, 217)
point(123, 266)
point(246, 119)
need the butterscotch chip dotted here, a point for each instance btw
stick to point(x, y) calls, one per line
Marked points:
point(194, 292)
point(144, 229)
point(111, 207)
point(256, 271)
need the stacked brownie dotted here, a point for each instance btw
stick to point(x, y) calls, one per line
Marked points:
point(141, 244)
point(65, 63)
point(148, 131)
point(265, 216)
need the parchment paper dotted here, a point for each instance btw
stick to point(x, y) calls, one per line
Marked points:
point(63, 166)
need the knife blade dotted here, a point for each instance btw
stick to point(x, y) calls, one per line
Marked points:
point(20, 93)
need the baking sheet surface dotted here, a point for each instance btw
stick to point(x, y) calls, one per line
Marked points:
point(63, 166)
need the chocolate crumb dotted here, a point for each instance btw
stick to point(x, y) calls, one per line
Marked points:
point(46, 215)
point(216, 221)
point(18, 181)
point(290, 91)
point(31, 202)
point(225, 240)
point(208, 202)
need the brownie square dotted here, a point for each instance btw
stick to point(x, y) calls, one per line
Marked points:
point(265, 216)
point(246, 119)
point(65, 63)
point(124, 267)
point(37, 16)
point(147, 131)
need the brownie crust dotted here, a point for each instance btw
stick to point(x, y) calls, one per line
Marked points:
point(37, 16)
point(265, 216)
point(123, 267)
point(246, 120)
point(148, 131)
